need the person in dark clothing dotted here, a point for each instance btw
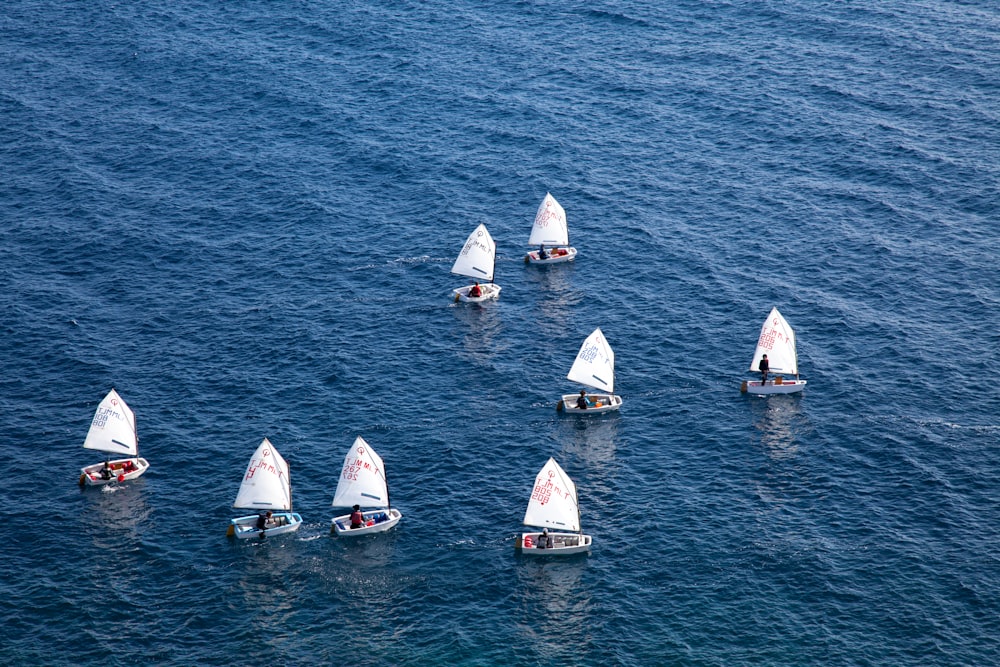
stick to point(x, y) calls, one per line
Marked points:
point(582, 402)
point(263, 520)
point(357, 519)
point(541, 252)
point(544, 540)
point(764, 366)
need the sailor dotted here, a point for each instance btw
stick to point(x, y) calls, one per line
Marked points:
point(763, 367)
point(544, 540)
point(476, 290)
point(541, 252)
point(582, 402)
point(357, 519)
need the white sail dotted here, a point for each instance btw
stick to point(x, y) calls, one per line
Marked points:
point(362, 479)
point(595, 363)
point(113, 428)
point(478, 256)
point(777, 341)
point(266, 484)
point(550, 224)
point(553, 500)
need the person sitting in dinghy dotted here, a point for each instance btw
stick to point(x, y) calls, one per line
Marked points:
point(544, 540)
point(106, 471)
point(357, 519)
point(476, 290)
point(541, 252)
point(263, 520)
point(583, 402)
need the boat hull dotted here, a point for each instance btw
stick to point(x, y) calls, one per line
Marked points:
point(778, 386)
point(555, 256)
point(246, 526)
point(601, 403)
point(563, 544)
point(341, 525)
point(91, 475)
point(490, 291)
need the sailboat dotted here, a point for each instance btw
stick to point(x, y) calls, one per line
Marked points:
point(550, 234)
point(477, 260)
point(113, 431)
point(777, 341)
point(267, 489)
point(594, 367)
point(363, 487)
point(553, 507)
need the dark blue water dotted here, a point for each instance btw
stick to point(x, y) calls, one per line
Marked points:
point(242, 216)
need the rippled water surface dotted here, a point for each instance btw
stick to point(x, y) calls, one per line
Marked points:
point(242, 216)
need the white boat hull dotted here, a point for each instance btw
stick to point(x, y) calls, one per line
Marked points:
point(776, 386)
point(281, 522)
point(341, 525)
point(563, 544)
point(490, 291)
point(555, 256)
point(600, 403)
point(91, 475)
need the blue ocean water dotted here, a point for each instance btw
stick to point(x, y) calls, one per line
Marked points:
point(242, 216)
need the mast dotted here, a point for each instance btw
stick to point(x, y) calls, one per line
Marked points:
point(795, 351)
point(493, 273)
point(568, 244)
point(385, 476)
point(136, 432)
point(579, 521)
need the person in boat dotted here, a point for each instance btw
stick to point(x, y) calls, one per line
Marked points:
point(263, 520)
point(583, 402)
point(541, 252)
point(357, 519)
point(106, 471)
point(764, 366)
point(476, 290)
point(544, 540)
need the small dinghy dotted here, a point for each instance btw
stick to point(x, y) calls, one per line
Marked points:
point(267, 489)
point(363, 488)
point(777, 343)
point(594, 367)
point(553, 507)
point(477, 260)
point(113, 431)
point(550, 234)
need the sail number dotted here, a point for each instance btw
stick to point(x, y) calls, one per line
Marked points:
point(101, 416)
point(589, 353)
